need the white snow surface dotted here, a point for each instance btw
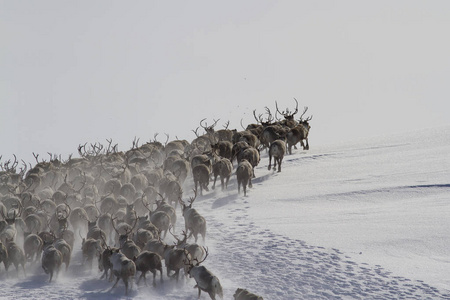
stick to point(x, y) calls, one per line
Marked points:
point(369, 219)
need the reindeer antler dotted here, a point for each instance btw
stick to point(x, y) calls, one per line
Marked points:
point(192, 199)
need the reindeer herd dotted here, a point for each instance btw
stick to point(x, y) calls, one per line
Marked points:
point(120, 206)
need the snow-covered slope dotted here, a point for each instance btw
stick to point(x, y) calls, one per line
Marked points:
point(361, 220)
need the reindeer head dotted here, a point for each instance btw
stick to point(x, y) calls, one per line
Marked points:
point(209, 129)
point(16, 213)
point(191, 263)
point(305, 122)
point(287, 114)
point(185, 206)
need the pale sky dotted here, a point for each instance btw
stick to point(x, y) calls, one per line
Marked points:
point(85, 71)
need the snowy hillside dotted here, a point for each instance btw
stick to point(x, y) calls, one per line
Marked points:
point(361, 220)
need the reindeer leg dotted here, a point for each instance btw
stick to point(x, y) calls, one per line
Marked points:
point(154, 277)
point(302, 144)
point(115, 284)
point(111, 275)
point(126, 286)
point(226, 182)
point(212, 295)
point(145, 279)
point(140, 277)
point(214, 184)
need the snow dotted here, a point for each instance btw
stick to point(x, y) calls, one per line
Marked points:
point(367, 219)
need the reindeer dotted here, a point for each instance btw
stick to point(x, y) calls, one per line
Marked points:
point(175, 145)
point(109, 204)
point(194, 222)
point(63, 232)
point(244, 174)
point(16, 256)
point(95, 232)
point(243, 294)
point(246, 136)
point(237, 149)
point(127, 246)
point(180, 168)
point(123, 268)
point(196, 251)
point(51, 259)
point(222, 167)
point(174, 259)
point(201, 177)
point(139, 181)
point(162, 205)
point(144, 223)
point(160, 219)
point(104, 263)
point(142, 237)
point(206, 281)
point(173, 191)
point(223, 149)
point(128, 191)
point(210, 133)
point(92, 211)
point(201, 159)
point(78, 218)
point(252, 156)
point(148, 261)
point(90, 248)
point(277, 150)
point(105, 223)
point(34, 222)
point(4, 256)
point(272, 133)
point(259, 130)
point(9, 232)
point(32, 246)
point(289, 120)
point(299, 133)
point(130, 214)
point(65, 250)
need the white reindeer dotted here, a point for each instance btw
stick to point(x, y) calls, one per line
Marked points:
point(123, 268)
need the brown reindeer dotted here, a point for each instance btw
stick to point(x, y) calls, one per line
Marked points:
point(289, 120)
point(244, 174)
point(148, 261)
point(222, 168)
point(277, 150)
point(299, 133)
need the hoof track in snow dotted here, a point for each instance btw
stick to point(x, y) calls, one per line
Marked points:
point(309, 272)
